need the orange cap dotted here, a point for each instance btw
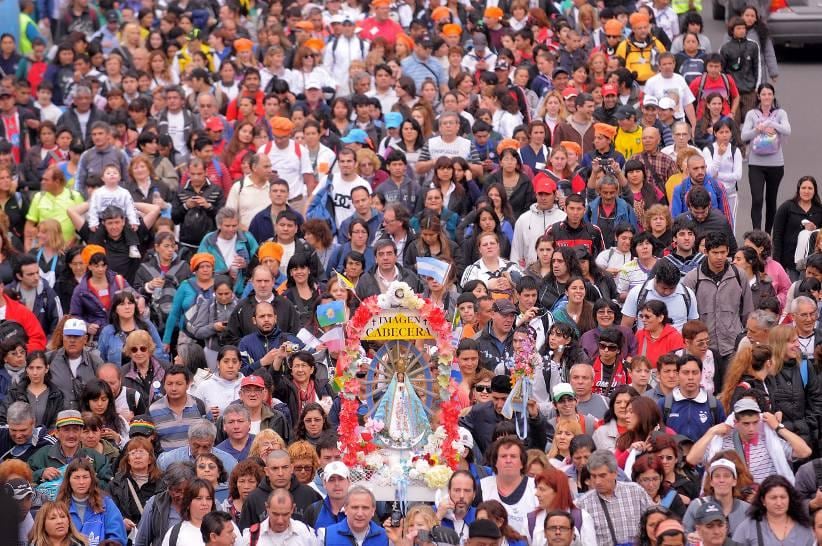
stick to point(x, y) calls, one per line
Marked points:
point(314, 43)
point(613, 27)
point(406, 41)
point(243, 44)
point(494, 12)
point(507, 143)
point(572, 146)
point(201, 258)
point(451, 29)
point(90, 251)
point(440, 12)
point(307, 26)
point(281, 126)
point(381, 3)
point(639, 18)
point(270, 250)
point(605, 129)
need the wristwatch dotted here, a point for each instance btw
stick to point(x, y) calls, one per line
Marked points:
point(779, 427)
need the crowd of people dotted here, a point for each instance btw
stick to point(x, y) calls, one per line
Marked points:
point(184, 184)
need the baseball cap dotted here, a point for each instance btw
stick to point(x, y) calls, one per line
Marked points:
point(560, 70)
point(19, 488)
point(666, 103)
point(504, 307)
point(561, 390)
point(747, 404)
point(5, 92)
point(337, 18)
point(75, 327)
point(336, 468)
point(722, 463)
point(650, 100)
point(624, 112)
point(544, 184)
point(393, 120)
point(252, 381)
point(569, 92)
point(355, 136)
point(142, 425)
point(214, 124)
point(67, 418)
point(483, 528)
point(502, 64)
point(609, 89)
point(668, 525)
point(313, 82)
point(112, 17)
point(707, 512)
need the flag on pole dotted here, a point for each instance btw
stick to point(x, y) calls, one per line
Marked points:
point(434, 268)
point(344, 281)
point(331, 313)
point(334, 339)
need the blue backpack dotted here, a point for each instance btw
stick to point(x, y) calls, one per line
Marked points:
point(318, 209)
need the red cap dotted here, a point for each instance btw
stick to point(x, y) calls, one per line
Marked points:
point(569, 92)
point(214, 124)
point(543, 184)
point(252, 381)
point(609, 89)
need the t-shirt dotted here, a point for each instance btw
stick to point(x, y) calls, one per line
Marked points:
point(228, 249)
point(627, 143)
point(341, 195)
point(290, 167)
point(83, 119)
point(715, 86)
point(436, 147)
point(176, 130)
point(674, 87)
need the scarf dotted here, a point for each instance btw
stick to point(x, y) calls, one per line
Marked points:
point(15, 373)
point(305, 396)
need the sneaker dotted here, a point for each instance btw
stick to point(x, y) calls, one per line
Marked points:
point(134, 252)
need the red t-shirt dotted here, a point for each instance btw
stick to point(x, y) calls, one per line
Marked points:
point(712, 85)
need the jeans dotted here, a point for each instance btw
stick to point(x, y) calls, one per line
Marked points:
point(764, 184)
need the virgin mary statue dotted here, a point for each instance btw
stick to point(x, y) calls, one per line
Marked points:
point(402, 412)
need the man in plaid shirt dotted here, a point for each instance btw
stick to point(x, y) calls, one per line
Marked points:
point(658, 166)
point(614, 506)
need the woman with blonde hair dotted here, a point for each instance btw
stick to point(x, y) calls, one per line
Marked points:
point(657, 221)
point(53, 527)
point(145, 368)
point(419, 517)
point(748, 370)
point(304, 461)
point(536, 462)
point(560, 453)
point(49, 254)
point(264, 443)
point(368, 167)
point(160, 71)
point(552, 110)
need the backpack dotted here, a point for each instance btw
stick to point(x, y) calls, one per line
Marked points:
point(217, 167)
point(255, 534)
point(162, 300)
point(336, 41)
point(725, 82)
point(738, 281)
point(317, 206)
point(643, 295)
point(669, 402)
point(710, 148)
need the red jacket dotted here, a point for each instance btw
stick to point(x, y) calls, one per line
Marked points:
point(20, 314)
point(669, 340)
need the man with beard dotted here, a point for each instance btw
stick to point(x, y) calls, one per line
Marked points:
point(268, 346)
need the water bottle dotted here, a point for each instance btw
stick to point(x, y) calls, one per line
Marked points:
point(157, 199)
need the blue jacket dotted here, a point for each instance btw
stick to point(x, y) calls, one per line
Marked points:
point(374, 225)
point(100, 526)
point(337, 259)
point(262, 226)
point(86, 306)
point(110, 344)
point(719, 199)
point(690, 417)
point(325, 517)
point(246, 247)
point(255, 346)
point(184, 299)
point(5, 383)
point(470, 517)
point(624, 212)
point(449, 219)
point(340, 535)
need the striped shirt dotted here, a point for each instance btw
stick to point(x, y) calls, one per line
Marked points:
point(172, 429)
point(757, 456)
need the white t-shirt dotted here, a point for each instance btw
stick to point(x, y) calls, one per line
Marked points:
point(517, 513)
point(436, 148)
point(83, 119)
point(290, 167)
point(191, 536)
point(176, 130)
point(288, 252)
point(228, 249)
point(248, 201)
point(659, 86)
point(343, 209)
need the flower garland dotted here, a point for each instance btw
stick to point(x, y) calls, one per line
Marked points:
point(358, 442)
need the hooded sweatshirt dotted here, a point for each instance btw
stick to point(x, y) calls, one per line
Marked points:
point(529, 227)
point(669, 340)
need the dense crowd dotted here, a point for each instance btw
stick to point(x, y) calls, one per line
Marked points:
point(183, 185)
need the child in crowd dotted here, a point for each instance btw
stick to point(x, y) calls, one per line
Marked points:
point(113, 194)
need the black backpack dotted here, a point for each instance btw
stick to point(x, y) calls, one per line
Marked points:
point(669, 403)
point(162, 300)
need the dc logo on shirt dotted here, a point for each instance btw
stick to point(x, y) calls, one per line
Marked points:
point(342, 200)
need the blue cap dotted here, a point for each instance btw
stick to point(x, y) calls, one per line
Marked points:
point(355, 136)
point(393, 120)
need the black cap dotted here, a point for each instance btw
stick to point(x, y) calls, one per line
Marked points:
point(560, 70)
point(426, 43)
point(484, 528)
point(112, 17)
point(501, 384)
point(505, 307)
point(111, 212)
point(624, 112)
point(707, 512)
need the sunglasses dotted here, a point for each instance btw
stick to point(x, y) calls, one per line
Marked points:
point(482, 388)
point(608, 347)
point(303, 468)
point(140, 349)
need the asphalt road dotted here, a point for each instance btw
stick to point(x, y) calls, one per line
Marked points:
point(797, 88)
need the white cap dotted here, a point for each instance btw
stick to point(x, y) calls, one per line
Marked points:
point(466, 439)
point(722, 463)
point(313, 82)
point(336, 468)
point(667, 103)
point(75, 327)
point(650, 100)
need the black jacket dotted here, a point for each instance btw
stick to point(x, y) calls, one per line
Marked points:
point(286, 390)
point(740, 59)
point(241, 324)
point(787, 225)
point(800, 406)
point(70, 121)
point(254, 510)
point(368, 285)
point(483, 419)
point(492, 351)
point(122, 497)
point(196, 222)
point(272, 419)
point(17, 393)
point(522, 196)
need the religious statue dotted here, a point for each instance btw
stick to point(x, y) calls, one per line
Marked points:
point(402, 412)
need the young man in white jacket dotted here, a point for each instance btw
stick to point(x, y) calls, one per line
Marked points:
point(542, 215)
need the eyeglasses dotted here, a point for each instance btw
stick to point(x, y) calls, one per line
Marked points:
point(303, 468)
point(608, 346)
point(209, 466)
point(613, 36)
point(558, 529)
point(139, 349)
point(482, 388)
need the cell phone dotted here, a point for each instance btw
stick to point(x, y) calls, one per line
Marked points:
point(396, 517)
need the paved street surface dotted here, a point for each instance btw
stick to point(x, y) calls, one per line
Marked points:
point(798, 89)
